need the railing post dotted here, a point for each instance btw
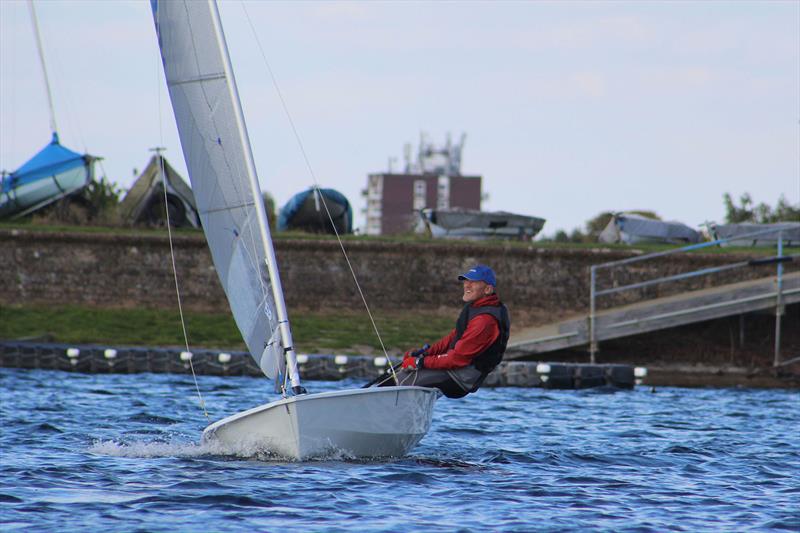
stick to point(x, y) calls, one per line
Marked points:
point(779, 303)
point(592, 325)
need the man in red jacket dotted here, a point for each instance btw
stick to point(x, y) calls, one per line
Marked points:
point(458, 363)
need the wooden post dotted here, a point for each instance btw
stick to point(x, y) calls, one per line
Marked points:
point(779, 304)
point(592, 325)
point(741, 331)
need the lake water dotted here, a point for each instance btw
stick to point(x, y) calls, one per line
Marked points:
point(120, 453)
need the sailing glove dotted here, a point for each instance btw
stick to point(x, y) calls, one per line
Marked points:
point(413, 359)
point(409, 362)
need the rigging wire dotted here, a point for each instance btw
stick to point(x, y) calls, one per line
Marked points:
point(175, 276)
point(158, 151)
point(317, 189)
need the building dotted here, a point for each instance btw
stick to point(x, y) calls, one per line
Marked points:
point(434, 180)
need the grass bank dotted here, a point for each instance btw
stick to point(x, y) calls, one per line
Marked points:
point(314, 332)
point(397, 239)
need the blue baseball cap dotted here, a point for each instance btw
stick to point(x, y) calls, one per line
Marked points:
point(479, 273)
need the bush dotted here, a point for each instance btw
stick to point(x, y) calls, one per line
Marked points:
point(762, 213)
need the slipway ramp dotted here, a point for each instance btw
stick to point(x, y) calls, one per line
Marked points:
point(661, 313)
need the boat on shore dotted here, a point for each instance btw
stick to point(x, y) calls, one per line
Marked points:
point(753, 234)
point(313, 210)
point(55, 172)
point(630, 228)
point(472, 224)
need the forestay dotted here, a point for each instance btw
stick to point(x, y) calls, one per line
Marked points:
point(228, 199)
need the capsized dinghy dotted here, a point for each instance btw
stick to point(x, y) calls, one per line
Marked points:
point(371, 422)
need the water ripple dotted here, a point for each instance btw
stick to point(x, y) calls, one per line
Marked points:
point(500, 460)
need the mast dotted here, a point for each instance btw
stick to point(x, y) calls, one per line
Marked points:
point(39, 47)
point(261, 215)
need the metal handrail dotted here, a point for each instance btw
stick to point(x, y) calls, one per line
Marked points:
point(779, 259)
point(701, 272)
point(690, 247)
point(706, 307)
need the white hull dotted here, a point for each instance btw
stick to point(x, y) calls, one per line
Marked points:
point(372, 422)
point(20, 200)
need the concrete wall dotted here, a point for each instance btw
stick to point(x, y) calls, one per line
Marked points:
point(539, 284)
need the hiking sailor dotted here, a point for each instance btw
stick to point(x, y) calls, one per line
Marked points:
point(458, 363)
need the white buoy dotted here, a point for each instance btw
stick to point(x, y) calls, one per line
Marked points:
point(302, 358)
point(186, 356)
point(340, 360)
point(380, 361)
point(224, 358)
point(543, 368)
point(110, 353)
point(73, 354)
point(640, 372)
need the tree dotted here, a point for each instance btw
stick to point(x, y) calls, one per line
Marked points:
point(786, 211)
point(735, 214)
point(761, 213)
point(560, 236)
point(269, 207)
point(102, 198)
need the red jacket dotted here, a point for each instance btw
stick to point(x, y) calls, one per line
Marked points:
point(481, 333)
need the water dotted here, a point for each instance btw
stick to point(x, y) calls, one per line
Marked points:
point(120, 452)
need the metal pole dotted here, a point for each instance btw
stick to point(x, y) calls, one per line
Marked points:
point(592, 332)
point(258, 203)
point(40, 48)
point(779, 304)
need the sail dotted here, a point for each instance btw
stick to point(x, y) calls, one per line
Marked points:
point(213, 142)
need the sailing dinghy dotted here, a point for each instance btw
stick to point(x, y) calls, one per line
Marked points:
point(365, 422)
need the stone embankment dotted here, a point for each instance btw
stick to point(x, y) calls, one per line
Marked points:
point(540, 284)
point(133, 270)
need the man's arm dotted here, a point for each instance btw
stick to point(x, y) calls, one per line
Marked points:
point(481, 333)
point(440, 347)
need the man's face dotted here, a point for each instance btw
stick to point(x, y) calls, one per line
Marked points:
point(475, 289)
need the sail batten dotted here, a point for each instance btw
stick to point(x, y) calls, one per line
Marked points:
point(198, 79)
point(228, 208)
point(220, 168)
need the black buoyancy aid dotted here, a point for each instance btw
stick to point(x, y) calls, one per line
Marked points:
point(491, 356)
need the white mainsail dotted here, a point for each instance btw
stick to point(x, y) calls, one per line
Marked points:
point(219, 160)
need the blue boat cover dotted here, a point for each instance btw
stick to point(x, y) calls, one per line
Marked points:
point(52, 159)
point(296, 202)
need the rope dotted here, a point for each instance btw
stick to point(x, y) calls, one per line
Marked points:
point(317, 188)
point(172, 250)
point(175, 275)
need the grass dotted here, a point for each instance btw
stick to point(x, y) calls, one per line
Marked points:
point(402, 238)
point(313, 331)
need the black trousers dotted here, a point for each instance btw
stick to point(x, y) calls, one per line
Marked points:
point(439, 379)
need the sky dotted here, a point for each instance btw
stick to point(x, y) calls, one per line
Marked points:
point(569, 108)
